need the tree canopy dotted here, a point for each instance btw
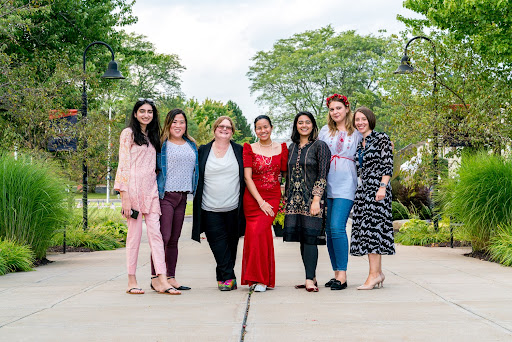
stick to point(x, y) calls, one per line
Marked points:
point(299, 72)
point(486, 23)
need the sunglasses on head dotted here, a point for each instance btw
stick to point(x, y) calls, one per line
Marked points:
point(141, 99)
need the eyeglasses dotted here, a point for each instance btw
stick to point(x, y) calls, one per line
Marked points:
point(141, 99)
point(229, 128)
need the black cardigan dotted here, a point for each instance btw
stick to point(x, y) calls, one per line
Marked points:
point(204, 151)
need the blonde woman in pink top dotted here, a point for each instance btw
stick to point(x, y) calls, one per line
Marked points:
point(136, 182)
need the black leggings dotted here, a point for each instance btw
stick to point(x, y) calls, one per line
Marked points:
point(309, 255)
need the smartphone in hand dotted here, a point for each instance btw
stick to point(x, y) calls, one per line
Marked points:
point(134, 214)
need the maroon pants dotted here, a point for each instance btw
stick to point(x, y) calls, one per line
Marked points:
point(173, 213)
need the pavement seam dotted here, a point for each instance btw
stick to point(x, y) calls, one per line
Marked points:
point(488, 320)
point(87, 289)
point(246, 314)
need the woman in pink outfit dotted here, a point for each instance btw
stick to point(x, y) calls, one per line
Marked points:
point(136, 182)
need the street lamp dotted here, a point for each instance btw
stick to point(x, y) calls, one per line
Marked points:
point(111, 73)
point(405, 67)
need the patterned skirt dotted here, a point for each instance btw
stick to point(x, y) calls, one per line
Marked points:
point(372, 224)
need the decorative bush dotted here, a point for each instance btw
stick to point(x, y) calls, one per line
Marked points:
point(399, 211)
point(500, 247)
point(415, 197)
point(32, 202)
point(480, 197)
point(419, 233)
point(107, 230)
point(15, 257)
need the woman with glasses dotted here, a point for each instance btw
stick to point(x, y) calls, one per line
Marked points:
point(306, 179)
point(136, 182)
point(263, 163)
point(218, 209)
point(177, 177)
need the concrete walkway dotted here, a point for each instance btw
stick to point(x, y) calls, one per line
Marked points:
point(430, 294)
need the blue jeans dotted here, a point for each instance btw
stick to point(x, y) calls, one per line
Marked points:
point(338, 210)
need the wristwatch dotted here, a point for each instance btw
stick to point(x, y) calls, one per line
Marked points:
point(383, 185)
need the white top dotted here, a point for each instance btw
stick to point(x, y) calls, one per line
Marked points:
point(221, 182)
point(181, 161)
point(342, 177)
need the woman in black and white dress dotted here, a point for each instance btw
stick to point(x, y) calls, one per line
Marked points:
point(372, 227)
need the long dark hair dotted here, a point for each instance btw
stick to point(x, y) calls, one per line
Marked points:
point(168, 122)
point(295, 133)
point(153, 128)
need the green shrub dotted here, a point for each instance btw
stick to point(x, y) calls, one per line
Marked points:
point(500, 247)
point(94, 238)
point(419, 233)
point(107, 230)
point(32, 202)
point(15, 257)
point(425, 213)
point(480, 197)
point(399, 211)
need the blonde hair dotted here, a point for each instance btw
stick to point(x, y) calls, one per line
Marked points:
point(168, 122)
point(222, 118)
point(349, 124)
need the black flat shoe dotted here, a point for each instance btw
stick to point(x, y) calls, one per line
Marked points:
point(181, 288)
point(329, 283)
point(337, 285)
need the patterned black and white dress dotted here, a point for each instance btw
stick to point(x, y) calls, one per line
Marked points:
point(372, 225)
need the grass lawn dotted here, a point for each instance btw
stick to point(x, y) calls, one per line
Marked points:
point(93, 196)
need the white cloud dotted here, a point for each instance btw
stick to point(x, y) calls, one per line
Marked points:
point(215, 40)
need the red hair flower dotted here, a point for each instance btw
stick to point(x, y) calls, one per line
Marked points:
point(342, 98)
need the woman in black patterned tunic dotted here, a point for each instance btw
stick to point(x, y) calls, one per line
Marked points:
point(372, 227)
point(306, 179)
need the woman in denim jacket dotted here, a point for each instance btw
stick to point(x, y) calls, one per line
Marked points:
point(178, 156)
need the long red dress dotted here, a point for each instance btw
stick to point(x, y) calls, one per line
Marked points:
point(258, 265)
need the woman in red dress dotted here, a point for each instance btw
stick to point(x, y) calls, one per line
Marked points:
point(263, 163)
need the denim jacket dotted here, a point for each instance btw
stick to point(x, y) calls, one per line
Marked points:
point(161, 168)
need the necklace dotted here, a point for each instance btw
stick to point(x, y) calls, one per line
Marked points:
point(266, 160)
point(218, 151)
point(269, 145)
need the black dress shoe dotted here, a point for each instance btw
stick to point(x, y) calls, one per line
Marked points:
point(337, 285)
point(329, 283)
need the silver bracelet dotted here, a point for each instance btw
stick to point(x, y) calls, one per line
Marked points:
point(262, 204)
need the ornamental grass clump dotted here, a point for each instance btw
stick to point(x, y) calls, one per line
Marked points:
point(500, 246)
point(480, 197)
point(33, 204)
point(15, 257)
point(107, 230)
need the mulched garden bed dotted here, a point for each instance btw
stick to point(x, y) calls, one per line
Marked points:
point(480, 255)
point(58, 249)
point(42, 262)
point(447, 244)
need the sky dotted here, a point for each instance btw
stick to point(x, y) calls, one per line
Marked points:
point(216, 39)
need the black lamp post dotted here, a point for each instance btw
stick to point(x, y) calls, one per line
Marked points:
point(406, 68)
point(111, 73)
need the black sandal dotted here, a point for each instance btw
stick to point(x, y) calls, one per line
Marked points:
point(181, 288)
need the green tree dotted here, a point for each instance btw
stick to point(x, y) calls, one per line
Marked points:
point(299, 72)
point(470, 105)
point(243, 130)
point(485, 24)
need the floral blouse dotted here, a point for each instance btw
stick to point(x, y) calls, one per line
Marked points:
point(136, 174)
